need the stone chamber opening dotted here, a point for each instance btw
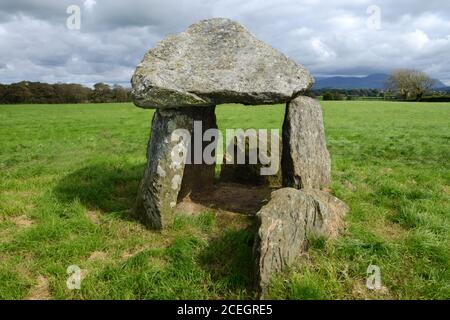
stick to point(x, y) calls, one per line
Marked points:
point(237, 189)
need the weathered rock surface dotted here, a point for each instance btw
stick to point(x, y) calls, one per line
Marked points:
point(337, 210)
point(305, 160)
point(254, 158)
point(164, 175)
point(286, 223)
point(213, 62)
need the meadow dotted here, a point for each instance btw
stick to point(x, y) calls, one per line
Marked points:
point(69, 176)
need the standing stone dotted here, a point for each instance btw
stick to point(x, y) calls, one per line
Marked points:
point(305, 161)
point(286, 224)
point(159, 190)
point(214, 62)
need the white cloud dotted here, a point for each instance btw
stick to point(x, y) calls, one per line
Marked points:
point(327, 37)
point(89, 4)
point(417, 39)
point(322, 51)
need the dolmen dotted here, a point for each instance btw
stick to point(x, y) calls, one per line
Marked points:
point(218, 61)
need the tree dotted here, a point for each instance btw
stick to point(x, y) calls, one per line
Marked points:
point(2, 91)
point(328, 96)
point(120, 94)
point(398, 82)
point(333, 95)
point(42, 93)
point(38, 92)
point(102, 93)
point(421, 83)
point(72, 93)
point(338, 96)
point(17, 93)
point(409, 83)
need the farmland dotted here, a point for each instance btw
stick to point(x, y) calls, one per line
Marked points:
point(69, 176)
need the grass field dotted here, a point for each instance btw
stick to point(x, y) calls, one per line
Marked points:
point(69, 175)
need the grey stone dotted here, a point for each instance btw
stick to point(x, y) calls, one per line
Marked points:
point(214, 62)
point(286, 223)
point(337, 210)
point(305, 160)
point(164, 175)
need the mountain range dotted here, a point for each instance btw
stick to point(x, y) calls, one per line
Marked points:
point(372, 81)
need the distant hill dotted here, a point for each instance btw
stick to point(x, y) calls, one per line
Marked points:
point(446, 89)
point(372, 81)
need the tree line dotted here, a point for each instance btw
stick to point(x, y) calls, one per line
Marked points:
point(26, 92)
point(402, 84)
point(348, 94)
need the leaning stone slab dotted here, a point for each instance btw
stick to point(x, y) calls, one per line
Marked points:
point(214, 62)
point(305, 160)
point(165, 172)
point(286, 224)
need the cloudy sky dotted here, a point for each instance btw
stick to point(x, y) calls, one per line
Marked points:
point(346, 37)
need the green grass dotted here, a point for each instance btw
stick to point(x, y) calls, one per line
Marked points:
point(69, 175)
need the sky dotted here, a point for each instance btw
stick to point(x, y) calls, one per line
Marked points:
point(41, 40)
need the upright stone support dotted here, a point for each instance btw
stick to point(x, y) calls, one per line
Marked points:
point(165, 172)
point(287, 223)
point(305, 160)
